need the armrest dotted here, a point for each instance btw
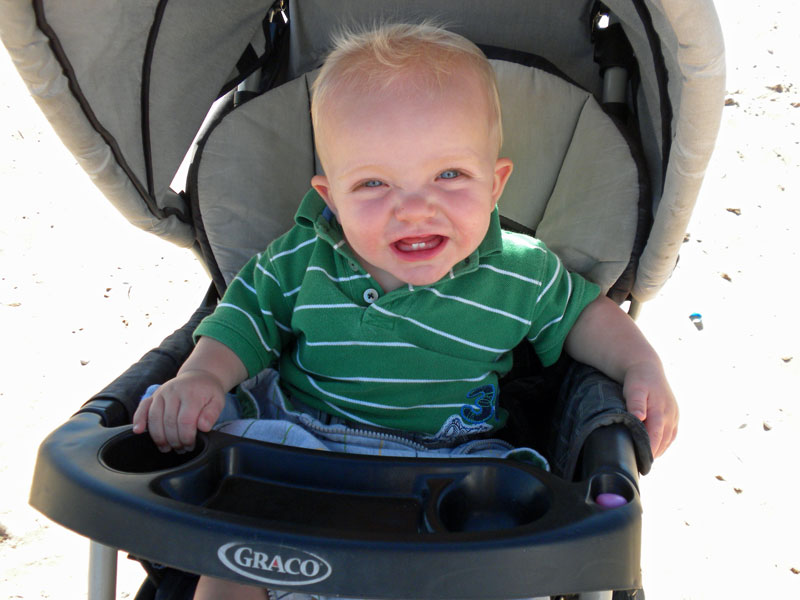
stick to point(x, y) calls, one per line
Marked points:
point(609, 449)
point(591, 403)
point(118, 401)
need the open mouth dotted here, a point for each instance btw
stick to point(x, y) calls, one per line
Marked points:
point(415, 244)
point(419, 248)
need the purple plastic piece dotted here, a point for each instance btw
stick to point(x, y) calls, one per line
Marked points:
point(611, 500)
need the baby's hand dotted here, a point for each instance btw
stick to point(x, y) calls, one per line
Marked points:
point(649, 397)
point(193, 400)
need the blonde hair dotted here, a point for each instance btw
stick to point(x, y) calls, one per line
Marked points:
point(423, 54)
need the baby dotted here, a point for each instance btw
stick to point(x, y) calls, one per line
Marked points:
point(395, 301)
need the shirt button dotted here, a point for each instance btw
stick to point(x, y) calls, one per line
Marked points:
point(354, 266)
point(370, 295)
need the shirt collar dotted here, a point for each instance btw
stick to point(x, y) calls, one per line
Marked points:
point(492, 244)
point(314, 214)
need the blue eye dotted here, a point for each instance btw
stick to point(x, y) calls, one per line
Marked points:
point(372, 183)
point(449, 174)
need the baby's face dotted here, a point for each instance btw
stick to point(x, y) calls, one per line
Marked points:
point(412, 181)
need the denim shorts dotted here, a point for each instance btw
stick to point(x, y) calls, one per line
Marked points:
point(298, 425)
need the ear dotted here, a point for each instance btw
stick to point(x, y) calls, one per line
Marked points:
point(502, 171)
point(323, 188)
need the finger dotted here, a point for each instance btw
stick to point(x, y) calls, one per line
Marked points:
point(209, 414)
point(155, 423)
point(655, 443)
point(670, 427)
point(187, 423)
point(171, 408)
point(655, 428)
point(636, 402)
point(668, 439)
point(140, 416)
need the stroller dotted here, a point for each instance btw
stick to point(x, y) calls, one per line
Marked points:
point(611, 111)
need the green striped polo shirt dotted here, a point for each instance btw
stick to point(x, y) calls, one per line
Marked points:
point(425, 359)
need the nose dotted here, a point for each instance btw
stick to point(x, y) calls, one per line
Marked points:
point(414, 207)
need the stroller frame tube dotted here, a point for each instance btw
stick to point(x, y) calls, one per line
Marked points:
point(102, 572)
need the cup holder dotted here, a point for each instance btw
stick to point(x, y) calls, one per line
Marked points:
point(491, 499)
point(132, 453)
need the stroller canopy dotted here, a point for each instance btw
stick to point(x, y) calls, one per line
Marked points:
point(128, 85)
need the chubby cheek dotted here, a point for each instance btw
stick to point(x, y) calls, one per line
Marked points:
point(470, 220)
point(367, 218)
point(363, 229)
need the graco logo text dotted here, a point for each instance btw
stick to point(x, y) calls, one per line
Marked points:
point(275, 565)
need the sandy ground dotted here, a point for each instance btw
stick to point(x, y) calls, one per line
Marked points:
point(83, 294)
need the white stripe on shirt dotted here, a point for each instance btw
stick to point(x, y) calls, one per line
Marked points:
point(552, 281)
point(280, 325)
point(253, 323)
point(359, 343)
point(324, 306)
point(337, 279)
point(443, 334)
point(292, 292)
point(268, 274)
point(247, 286)
point(386, 379)
point(553, 322)
point(566, 304)
point(478, 305)
point(295, 249)
point(510, 274)
point(377, 405)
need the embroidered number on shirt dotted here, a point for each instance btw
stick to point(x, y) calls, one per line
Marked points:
point(482, 407)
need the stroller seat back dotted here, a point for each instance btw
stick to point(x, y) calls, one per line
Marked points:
point(576, 182)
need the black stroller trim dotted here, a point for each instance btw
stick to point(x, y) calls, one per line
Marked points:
point(270, 67)
point(528, 60)
point(75, 88)
point(144, 190)
point(623, 287)
point(146, 70)
point(662, 78)
point(277, 40)
point(201, 237)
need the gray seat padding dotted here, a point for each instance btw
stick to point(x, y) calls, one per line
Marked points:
point(575, 181)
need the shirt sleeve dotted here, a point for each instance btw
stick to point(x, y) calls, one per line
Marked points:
point(247, 317)
point(562, 298)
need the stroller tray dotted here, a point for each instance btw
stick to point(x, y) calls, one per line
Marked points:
point(339, 524)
